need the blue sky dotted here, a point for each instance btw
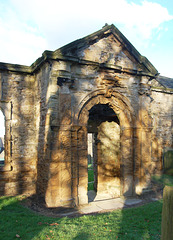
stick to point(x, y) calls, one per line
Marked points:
point(28, 27)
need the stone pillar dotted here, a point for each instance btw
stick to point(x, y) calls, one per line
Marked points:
point(143, 166)
point(82, 166)
point(127, 164)
point(65, 166)
point(59, 185)
point(74, 163)
point(146, 155)
point(137, 159)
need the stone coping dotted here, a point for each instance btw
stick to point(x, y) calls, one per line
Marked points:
point(35, 66)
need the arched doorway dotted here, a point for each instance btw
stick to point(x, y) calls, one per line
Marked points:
point(104, 153)
point(119, 106)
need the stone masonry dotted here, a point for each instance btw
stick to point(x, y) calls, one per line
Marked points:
point(99, 84)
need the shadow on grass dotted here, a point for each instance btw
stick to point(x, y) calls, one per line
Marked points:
point(18, 222)
point(141, 223)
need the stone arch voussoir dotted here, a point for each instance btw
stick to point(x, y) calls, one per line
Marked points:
point(118, 102)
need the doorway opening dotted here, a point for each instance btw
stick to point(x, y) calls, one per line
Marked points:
point(103, 153)
point(90, 162)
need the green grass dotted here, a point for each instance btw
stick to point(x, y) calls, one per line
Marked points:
point(129, 224)
point(90, 177)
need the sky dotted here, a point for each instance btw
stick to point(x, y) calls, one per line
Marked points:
point(29, 27)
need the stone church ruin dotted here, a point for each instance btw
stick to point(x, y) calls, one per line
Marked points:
point(98, 86)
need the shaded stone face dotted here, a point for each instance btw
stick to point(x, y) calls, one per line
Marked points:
point(99, 85)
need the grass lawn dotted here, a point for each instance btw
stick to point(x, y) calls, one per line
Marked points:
point(144, 222)
point(17, 222)
point(90, 177)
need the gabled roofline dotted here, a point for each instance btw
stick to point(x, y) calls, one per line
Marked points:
point(165, 82)
point(141, 59)
point(58, 54)
point(118, 35)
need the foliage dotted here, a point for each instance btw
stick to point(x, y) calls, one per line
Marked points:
point(18, 222)
point(168, 162)
point(164, 179)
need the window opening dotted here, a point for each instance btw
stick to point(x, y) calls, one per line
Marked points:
point(2, 137)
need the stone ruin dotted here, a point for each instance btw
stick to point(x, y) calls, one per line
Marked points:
point(98, 85)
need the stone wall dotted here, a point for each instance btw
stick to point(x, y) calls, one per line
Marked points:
point(46, 129)
point(48, 108)
point(162, 121)
point(17, 102)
